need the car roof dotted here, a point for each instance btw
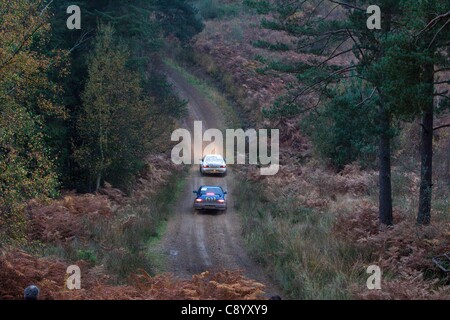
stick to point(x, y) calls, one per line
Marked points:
point(210, 187)
point(213, 155)
point(204, 188)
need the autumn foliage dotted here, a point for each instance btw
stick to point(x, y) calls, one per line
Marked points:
point(27, 98)
point(404, 252)
point(103, 217)
point(18, 270)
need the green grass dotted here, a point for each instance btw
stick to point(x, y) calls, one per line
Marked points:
point(211, 93)
point(149, 229)
point(87, 255)
point(159, 260)
point(296, 246)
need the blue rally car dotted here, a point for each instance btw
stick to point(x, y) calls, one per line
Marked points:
point(210, 197)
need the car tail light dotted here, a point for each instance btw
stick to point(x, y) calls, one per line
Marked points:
point(221, 200)
point(223, 166)
point(205, 166)
point(198, 200)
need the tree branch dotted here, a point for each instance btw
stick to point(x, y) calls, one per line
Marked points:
point(347, 5)
point(312, 11)
point(442, 82)
point(368, 98)
point(441, 95)
point(442, 69)
point(334, 56)
point(331, 11)
point(440, 29)
point(356, 43)
point(311, 87)
point(320, 37)
point(443, 126)
point(21, 45)
point(433, 22)
point(27, 36)
point(45, 8)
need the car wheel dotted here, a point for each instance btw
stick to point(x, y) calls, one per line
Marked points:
point(224, 174)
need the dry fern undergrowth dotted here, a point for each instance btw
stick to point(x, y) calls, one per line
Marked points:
point(348, 199)
point(18, 270)
point(341, 209)
point(62, 221)
point(404, 253)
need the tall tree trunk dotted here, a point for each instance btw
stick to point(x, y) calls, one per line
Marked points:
point(447, 166)
point(98, 181)
point(426, 153)
point(384, 158)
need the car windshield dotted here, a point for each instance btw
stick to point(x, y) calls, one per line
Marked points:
point(215, 190)
point(213, 158)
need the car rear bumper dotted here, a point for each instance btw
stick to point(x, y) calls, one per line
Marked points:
point(214, 170)
point(210, 206)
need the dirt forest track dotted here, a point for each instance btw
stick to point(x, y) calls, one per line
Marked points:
point(200, 241)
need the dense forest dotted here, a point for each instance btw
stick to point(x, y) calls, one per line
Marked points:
point(80, 107)
point(361, 102)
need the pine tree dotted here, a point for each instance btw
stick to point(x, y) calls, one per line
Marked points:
point(414, 54)
point(327, 38)
point(397, 62)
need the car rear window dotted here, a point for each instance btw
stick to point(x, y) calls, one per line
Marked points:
point(213, 158)
point(215, 190)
